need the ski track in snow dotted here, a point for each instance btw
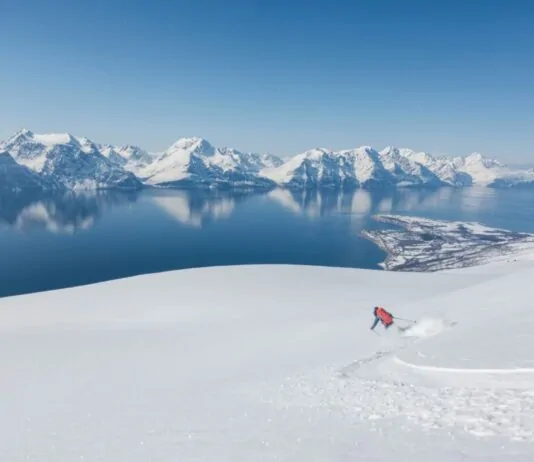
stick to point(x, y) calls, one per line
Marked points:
point(365, 392)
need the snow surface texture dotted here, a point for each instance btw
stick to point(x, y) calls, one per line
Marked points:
point(434, 245)
point(265, 363)
point(195, 163)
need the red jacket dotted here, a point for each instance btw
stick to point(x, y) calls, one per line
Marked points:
point(384, 316)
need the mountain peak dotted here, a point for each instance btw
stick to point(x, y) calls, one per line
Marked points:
point(24, 132)
point(475, 156)
point(195, 145)
point(130, 147)
point(316, 152)
point(46, 139)
point(22, 135)
point(405, 152)
point(366, 148)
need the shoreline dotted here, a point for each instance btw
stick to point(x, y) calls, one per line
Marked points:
point(427, 245)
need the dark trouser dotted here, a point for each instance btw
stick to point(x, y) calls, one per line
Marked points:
point(377, 320)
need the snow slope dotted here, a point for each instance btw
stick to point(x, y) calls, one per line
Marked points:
point(264, 363)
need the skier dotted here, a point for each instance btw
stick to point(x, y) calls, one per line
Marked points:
point(381, 315)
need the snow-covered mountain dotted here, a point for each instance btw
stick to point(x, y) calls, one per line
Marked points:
point(75, 163)
point(473, 169)
point(393, 167)
point(490, 172)
point(359, 167)
point(407, 171)
point(195, 163)
point(131, 158)
point(367, 168)
point(442, 167)
point(18, 178)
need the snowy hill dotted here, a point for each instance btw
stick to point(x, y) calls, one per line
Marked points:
point(272, 363)
point(75, 163)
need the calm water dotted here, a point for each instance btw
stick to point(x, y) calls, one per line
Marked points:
point(54, 242)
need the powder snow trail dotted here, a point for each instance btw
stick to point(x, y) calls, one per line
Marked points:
point(371, 389)
point(407, 335)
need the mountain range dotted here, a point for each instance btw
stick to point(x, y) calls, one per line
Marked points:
point(62, 161)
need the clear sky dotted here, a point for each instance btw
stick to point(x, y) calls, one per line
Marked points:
point(449, 77)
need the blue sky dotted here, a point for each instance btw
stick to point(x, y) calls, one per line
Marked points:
point(280, 76)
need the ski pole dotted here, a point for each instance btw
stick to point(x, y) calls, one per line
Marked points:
point(403, 319)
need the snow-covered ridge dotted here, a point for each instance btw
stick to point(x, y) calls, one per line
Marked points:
point(193, 162)
point(433, 245)
point(365, 167)
point(196, 162)
point(67, 161)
